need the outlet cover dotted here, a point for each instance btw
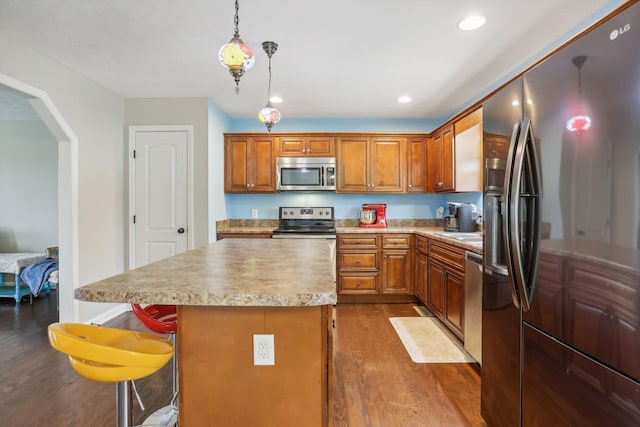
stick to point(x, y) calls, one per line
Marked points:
point(254, 213)
point(263, 350)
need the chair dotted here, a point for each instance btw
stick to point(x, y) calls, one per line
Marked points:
point(162, 319)
point(111, 355)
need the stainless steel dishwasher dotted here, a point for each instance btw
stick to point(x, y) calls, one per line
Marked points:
point(473, 305)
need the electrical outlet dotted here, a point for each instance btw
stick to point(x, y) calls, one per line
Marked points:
point(254, 213)
point(263, 350)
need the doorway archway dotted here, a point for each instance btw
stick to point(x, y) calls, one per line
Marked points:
point(67, 191)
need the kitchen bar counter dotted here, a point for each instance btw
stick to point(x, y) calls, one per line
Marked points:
point(229, 272)
point(227, 293)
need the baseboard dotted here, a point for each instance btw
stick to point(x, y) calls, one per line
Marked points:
point(109, 314)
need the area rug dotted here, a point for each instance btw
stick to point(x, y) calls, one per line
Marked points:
point(426, 341)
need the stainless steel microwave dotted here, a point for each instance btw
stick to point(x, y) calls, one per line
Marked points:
point(306, 173)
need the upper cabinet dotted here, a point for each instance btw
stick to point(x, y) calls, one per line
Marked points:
point(417, 165)
point(249, 164)
point(455, 156)
point(301, 145)
point(440, 157)
point(371, 164)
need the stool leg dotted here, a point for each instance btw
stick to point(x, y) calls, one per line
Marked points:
point(124, 404)
point(174, 341)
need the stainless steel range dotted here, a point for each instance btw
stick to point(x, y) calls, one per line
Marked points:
point(305, 223)
point(308, 223)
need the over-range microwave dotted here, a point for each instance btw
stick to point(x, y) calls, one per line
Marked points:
point(306, 174)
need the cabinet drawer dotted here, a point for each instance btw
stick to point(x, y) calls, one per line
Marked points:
point(357, 241)
point(396, 241)
point(357, 284)
point(422, 244)
point(447, 253)
point(358, 261)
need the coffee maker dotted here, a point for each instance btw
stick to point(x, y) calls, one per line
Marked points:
point(373, 215)
point(461, 218)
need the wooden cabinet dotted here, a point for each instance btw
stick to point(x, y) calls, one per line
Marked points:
point(375, 267)
point(454, 155)
point(421, 272)
point(440, 167)
point(417, 165)
point(306, 145)
point(249, 164)
point(357, 264)
point(445, 285)
point(371, 164)
point(397, 277)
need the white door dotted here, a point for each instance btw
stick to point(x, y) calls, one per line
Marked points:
point(160, 202)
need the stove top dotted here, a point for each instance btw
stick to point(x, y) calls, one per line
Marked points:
point(306, 220)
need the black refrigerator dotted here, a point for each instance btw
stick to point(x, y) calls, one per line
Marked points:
point(561, 281)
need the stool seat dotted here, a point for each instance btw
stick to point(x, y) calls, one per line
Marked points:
point(159, 318)
point(108, 354)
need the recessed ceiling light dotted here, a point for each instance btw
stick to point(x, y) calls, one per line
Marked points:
point(515, 102)
point(275, 99)
point(472, 22)
point(404, 99)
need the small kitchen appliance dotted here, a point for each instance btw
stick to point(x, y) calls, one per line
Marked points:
point(373, 215)
point(460, 218)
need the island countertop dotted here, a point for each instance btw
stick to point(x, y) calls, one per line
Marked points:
point(229, 272)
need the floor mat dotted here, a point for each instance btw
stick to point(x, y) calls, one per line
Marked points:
point(427, 341)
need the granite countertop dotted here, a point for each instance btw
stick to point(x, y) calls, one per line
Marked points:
point(427, 228)
point(229, 272)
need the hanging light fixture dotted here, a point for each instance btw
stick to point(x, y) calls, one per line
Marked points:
point(269, 115)
point(235, 55)
point(579, 122)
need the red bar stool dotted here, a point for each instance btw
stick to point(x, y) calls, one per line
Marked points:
point(111, 355)
point(162, 319)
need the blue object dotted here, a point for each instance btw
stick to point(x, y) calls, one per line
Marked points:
point(36, 274)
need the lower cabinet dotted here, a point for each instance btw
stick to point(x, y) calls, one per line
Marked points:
point(375, 267)
point(439, 281)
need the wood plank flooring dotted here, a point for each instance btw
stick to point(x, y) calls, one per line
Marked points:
point(375, 382)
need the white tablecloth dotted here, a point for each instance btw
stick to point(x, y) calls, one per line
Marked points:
point(14, 262)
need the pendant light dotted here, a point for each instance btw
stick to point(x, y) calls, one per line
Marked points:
point(269, 115)
point(579, 122)
point(236, 56)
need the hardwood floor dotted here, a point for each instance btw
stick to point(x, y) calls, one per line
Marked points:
point(375, 382)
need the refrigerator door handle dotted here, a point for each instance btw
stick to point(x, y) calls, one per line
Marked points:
point(524, 214)
point(507, 220)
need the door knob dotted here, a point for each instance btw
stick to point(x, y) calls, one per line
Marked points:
point(180, 230)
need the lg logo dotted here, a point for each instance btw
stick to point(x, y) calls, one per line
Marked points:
point(617, 32)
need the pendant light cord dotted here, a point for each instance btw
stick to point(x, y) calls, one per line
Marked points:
point(236, 21)
point(269, 86)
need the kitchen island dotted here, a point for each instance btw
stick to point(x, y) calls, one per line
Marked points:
point(227, 292)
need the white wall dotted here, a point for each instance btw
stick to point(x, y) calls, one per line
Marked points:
point(182, 111)
point(28, 186)
point(218, 125)
point(96, 117)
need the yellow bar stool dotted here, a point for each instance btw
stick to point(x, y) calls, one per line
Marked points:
point(111, 355)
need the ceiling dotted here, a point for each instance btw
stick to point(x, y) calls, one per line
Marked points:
point(336, 58)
